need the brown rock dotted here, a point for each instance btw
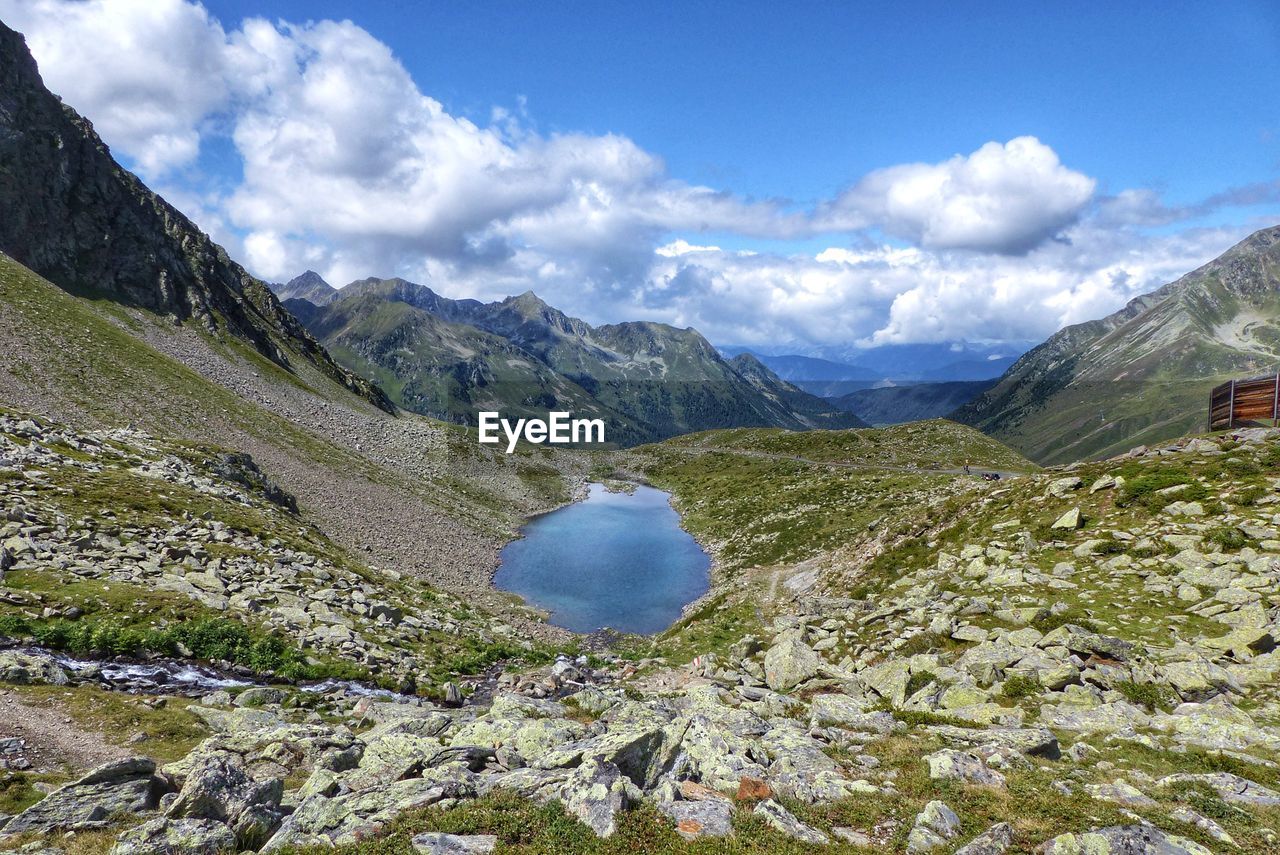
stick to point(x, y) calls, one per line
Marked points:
point(753, 789)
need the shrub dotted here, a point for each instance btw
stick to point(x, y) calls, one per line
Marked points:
point(1047, 622)
point(1147, 695)
point(1145, 489)
point(1020, 686)
point(1249, 496)
point(1228, 538)
point(919, 680)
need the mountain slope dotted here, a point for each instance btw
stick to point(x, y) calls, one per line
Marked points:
point(150, 325)
point(520, 356)
point(76, 217)
point(1143, 374)
point(891, 405)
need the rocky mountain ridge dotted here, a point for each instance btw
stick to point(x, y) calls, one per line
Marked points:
point(451, 359)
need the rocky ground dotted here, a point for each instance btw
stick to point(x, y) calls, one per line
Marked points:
point(1079, 661)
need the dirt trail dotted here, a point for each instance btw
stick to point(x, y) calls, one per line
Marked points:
point(52, 740)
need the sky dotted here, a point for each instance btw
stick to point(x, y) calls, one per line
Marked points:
point(799, 175)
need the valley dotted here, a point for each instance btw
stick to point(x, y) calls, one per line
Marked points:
point(249, 537)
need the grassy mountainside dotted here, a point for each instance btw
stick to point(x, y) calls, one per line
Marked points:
point(452, 358)
point(1143, 374)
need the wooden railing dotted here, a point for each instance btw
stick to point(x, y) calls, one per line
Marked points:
point(1244, 401)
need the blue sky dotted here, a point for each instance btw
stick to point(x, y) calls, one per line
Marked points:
point(796, 100)
point(814, 173)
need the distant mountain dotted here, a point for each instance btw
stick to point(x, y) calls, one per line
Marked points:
point(891, 405)
point(1143, 374)
point(833, 371)
point(451, 359)
point(74, 216)
point(310, 286)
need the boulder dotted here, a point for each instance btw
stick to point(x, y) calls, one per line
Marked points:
point(994, 841)
point(120, 787)
point(164, 836)
point(705, 818)
point(597, 792)
point(1071, 520)
point(1060, 488)
point(1122, 840)
point(790, 662)
point(949, 765)
point(220, 788)
point(31, 668)
point(435, 843)
point(1232, 788)
point(934, 826)
point(781, 819)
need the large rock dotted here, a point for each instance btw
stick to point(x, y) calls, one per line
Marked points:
point(781, 819)
point(934, 826)
point(789, 662)
point(220, 789)
point(435, 843)
point(1122, 840)
point(1081, 641)
point(1232, 788)
point(597, 792)
point(164, 836)
point(325, 821)
point(120, 787)
point(889, 680)
point(949, 765)
point(703, 818)
point(31, 668)
point(994, 841)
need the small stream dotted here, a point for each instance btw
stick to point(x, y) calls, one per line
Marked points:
point(177, 677)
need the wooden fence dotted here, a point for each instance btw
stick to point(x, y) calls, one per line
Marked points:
point(1244, 401)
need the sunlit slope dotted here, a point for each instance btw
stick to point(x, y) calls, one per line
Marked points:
point(1143, 374)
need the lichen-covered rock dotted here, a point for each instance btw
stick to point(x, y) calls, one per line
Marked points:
point(934, 826)
point(703, 818)
point(789, 662)
point(597, 792)
point(221, 789)
point(31, 668)
point(781, 819)
point(963, 766)
point(1122, 840)
point(163, 836)
point(120, 787)
point(1232, 788)
point(994, 841)
point(334, 821)
point(435, 843)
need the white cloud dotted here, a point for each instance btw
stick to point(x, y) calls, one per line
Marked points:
point(148, 73)
point(350, 169)
point(1005, 198)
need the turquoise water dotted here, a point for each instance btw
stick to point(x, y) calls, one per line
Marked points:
point(614, 560)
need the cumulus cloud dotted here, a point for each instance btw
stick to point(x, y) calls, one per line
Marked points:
point(148, 72)
point(348, 168)
point(1006, 198)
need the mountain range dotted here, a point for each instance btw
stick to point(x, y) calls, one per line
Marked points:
point(450, 359)
point(1142, 374)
